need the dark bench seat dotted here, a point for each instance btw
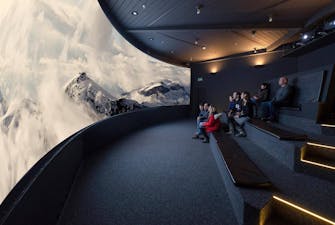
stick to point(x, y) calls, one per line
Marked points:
point(242, 170)
point(276, 132)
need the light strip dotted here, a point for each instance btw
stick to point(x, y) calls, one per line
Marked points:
point(320, 145)
point(328, 125)
point(318, 164)
point(304, 210)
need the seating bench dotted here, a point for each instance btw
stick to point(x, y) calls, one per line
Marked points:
point(276, 132)
point(242, 170)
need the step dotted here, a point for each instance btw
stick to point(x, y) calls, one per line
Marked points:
point(299, 188)
point(280, 211)
point(286, 152)
point(318, 159)
point(328, 129)
point(246, 202)
point(244, 172)
point(282, 134)
point(305, 124)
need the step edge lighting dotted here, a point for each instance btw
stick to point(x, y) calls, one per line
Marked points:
point(303, 210)
point(317, 164)
point(328, 125)
point(321, 145)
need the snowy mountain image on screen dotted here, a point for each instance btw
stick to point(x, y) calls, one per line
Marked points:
point(99, 102)
point(165, 92)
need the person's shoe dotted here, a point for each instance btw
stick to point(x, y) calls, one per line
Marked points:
point(205, 140)
point(241, 134)
point(195, 136)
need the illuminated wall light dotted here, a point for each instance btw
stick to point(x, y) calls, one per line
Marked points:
point(304, 210)
point(328, 125)
point(214, 70)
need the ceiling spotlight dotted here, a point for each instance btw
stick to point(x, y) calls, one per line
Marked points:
point(255, 50)
point(305, 36)
point(253, 32)
point(196, 42)
point(203, 48)
point(270, 19)
point(144, 6)
point(199, 7)
point(134, 13)
point(151, 38)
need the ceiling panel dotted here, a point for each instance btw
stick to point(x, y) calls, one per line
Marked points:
point(168, 29)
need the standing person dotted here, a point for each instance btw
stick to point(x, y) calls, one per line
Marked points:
point(282, 98)
point(213, 123)
point(238, 120)
point(202, 117)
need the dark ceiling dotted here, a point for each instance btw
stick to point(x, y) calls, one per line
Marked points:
point(172, 31)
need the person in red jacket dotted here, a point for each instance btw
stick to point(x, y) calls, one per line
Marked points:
point(213, 123)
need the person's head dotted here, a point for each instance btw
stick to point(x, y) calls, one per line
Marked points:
point(201, 107)
point(245, 95)
point(264, 86)
point(211, 109)
point(237, 95)
point(282, 81)
point(206, 106)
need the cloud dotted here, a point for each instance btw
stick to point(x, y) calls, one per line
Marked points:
point(43, 44)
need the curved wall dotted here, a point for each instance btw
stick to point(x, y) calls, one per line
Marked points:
point(40, 196)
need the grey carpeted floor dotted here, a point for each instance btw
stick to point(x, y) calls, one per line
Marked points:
point(156, 176)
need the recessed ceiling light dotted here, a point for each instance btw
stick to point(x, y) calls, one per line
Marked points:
point(151, 38)
point(196, 42)
point(203, 47)
point(144, 6)
point(134, 13)
point(255, 50)
point(270, 19)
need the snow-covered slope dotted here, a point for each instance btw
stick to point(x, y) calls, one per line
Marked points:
point(99, 102)
point(165, 92)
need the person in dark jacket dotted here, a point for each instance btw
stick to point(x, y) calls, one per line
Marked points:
point(238, 120)
point(282, 98)
point(202, 117)
point(261, 96)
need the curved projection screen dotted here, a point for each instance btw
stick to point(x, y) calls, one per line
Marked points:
point(62, 67)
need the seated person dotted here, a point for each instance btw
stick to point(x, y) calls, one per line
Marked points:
point(239, 118)
point(282, 98)
point(213, 123)
point(261, 96)
point(202, 117)
point(234, 103)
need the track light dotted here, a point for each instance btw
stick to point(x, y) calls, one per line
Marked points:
point(198, 9)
